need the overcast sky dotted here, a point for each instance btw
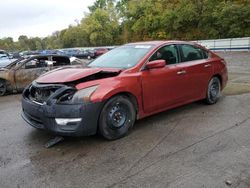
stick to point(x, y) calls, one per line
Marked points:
point(39, 17)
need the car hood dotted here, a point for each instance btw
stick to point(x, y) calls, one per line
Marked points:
point(71, 74)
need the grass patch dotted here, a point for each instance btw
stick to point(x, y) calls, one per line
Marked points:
point(236, 89)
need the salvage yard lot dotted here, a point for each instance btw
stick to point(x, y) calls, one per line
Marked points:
point(192, 146)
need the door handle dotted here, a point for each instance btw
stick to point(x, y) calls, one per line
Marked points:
point(207, 65)
point(181, 72)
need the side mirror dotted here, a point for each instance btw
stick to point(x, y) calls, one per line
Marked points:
point(156, 64)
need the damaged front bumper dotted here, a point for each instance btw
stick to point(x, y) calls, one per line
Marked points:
point(62, 119)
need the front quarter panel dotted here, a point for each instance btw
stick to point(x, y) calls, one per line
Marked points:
point(124, 83)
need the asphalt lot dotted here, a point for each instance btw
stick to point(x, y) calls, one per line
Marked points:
point(192, 146)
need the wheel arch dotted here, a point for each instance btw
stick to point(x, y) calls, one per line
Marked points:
point(8, 84)
point(129, 95)
point(219, 77)
point(132, 98)
point(5, 83)
point(208, 100)
point(2, 79)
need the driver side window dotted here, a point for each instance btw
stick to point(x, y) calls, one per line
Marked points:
point(168, 53)
point(36, 63)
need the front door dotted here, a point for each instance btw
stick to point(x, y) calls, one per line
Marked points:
point(164, 87)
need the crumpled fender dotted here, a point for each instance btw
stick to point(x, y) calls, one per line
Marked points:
point(118, 85)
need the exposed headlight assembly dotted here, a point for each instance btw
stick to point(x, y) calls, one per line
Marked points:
point(73, 96)
point(84, 95)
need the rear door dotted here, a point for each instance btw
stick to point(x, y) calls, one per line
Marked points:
point(199, 68)
point(164, 87)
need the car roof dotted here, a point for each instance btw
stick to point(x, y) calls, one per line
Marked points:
point(159, 42)
point(48, 55)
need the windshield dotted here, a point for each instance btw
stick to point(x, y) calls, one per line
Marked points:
point(122, 57)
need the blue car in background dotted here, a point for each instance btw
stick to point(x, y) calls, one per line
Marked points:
point(51, 52)
point(80, 53)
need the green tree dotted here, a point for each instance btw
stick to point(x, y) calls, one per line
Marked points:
point(232, 19)
point(102, 26)
point(112, 22)
point(100, 4)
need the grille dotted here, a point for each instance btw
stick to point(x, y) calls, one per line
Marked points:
point(40, 94)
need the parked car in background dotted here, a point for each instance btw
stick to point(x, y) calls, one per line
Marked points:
point(20, 73)
point(29, 53)
point(82, 54)
point(16, 55)
point(70, 52)
point(100, 51)
point(128, 83)
point(3, 53)
point(91, 53)
point(49, 52)
point(4, 58)
point(4, 61)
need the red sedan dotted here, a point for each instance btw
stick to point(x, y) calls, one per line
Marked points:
point(100, 51)
point(128, 83)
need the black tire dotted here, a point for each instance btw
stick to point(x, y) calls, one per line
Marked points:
point(3, 88)
point(213, 90)
point(117, 117)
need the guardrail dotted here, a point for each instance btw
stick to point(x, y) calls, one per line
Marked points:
point(231, 44)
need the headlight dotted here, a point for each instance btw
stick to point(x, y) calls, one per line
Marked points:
point(84, 94)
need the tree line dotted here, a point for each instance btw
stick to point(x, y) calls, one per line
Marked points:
point(114, 22)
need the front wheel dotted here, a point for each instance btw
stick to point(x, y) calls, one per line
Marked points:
point(213, 90)
point(117, 117)
point(3, 88)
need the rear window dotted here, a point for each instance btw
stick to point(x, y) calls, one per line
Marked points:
point(206, 54)
point(191, 53)
point(60, 61)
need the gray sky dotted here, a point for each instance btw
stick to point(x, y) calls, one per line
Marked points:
point(39, 17)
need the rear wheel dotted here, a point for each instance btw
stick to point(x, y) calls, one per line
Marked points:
point(3, 88)
point(117, 117)
point(213, 90)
